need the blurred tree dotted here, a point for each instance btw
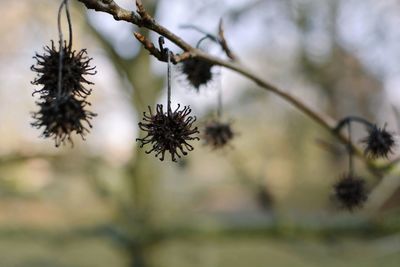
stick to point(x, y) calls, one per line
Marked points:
point(343, 83)
point(136, 217)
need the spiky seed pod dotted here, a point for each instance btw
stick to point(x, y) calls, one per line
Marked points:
point(217, 134)
point(75, 65)
point(60, 117)
point(197, 72)
point(350, 192)
point(168, 133)
point(378, 143)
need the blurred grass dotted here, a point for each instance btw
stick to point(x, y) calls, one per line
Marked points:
point(24, 252)
point(243, 251)
point(274, 252)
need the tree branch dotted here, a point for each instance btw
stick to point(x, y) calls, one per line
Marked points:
point(110, 7)
point(144, 19)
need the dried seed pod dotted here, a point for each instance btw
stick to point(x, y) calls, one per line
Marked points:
point(197, 72)
point(168, 132)
point(75, 65)
point(60, 117)
point(379, 142)
point(350, 192)
point(218, 134)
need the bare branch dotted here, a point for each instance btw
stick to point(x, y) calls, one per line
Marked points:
point(147, 21)
point(119, 13)
point(109, 6)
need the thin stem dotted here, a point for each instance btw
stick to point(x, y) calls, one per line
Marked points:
point(61, 50)
point(350, 150)
point(69, 25)
point(168, 80)
point(204, 38)
point(349, 119)
point(219, 108)
point(207, 35)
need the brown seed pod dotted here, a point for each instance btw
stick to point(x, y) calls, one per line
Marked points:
point(218, 134)
point(350, 192)
point(379, 142)
point(60, 117)
point(168, 131)
point(75, 66)
point(197, 72)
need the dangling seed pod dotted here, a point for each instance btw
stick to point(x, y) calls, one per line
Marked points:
point(350, 192)
point(61, 74)
point(217, 134)
point(168, 132)
point(75, 65)
point(378, 143)
point(60, 117)
point(197, 72)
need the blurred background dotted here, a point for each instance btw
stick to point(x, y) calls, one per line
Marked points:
point(265, 200)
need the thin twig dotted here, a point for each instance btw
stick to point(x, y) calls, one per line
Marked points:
point(223, 42)
point(157, 53)
point(110, 7)
point(207, 35)
point(219, 40)
point(146, 18)
point(149, 46)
